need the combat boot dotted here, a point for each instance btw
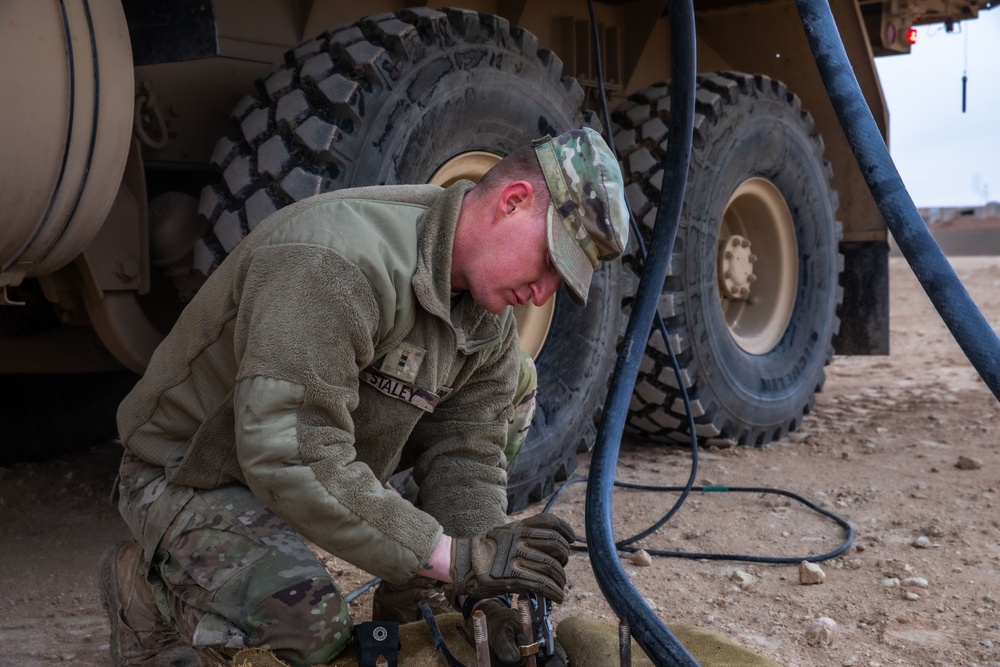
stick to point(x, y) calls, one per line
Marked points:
point(139, 635)
point(398, 602)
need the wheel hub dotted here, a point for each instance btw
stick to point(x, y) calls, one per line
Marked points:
point(757, 297)
point(736, 267)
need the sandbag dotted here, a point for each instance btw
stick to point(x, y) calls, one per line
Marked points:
point(592, 643)
point(587, 642)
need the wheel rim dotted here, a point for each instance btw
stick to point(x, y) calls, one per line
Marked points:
point(758, 267)
point(533, 322)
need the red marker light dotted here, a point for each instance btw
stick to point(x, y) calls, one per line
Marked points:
point(911, 35)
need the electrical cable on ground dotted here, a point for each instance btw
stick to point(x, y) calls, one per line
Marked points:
point(625, 545)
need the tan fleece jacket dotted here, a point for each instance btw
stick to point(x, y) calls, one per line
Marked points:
point(262, 380)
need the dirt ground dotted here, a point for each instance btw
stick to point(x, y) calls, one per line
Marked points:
point(881, 450)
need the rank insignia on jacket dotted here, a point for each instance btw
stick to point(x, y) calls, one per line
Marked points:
point(403, 362)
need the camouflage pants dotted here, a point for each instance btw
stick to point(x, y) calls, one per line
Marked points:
point(227, 573)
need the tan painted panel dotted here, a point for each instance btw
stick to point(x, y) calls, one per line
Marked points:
point(66, 119)
point(196, 98)
point(260, 22)
point(34, 117)
point(785, 55)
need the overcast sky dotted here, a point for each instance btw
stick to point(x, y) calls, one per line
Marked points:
point(946, 157)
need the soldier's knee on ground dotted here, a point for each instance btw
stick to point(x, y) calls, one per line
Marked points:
point(305, 624)
point(524, 409)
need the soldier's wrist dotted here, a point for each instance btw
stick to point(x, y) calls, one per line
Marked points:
point(439, 564)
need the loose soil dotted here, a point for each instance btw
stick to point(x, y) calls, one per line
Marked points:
point(881, 450)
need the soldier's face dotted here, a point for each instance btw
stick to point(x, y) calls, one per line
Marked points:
point(514, 266)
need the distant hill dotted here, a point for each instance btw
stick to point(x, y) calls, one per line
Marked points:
point(968, 236)
point(963, 231)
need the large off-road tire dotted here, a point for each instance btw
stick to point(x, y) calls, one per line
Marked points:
point(752, 290)
point(414, 97)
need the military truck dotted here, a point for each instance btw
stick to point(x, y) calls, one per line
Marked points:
point(143, 139)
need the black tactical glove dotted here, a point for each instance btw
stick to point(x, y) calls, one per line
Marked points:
point(524, 556)
point(503, 627)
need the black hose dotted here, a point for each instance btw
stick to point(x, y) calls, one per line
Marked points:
point(967, 325)
point(432, 626)
point(646, 628)
point(658, 319)
point(362, 589)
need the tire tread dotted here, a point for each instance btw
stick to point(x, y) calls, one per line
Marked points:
point(639, 151)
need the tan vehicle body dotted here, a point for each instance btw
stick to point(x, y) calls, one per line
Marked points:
point(103, 159)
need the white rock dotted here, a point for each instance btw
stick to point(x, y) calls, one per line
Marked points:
point(922, 542)
point(641, 558)
point(821, 631)
point(743, 579)
point(890, 582)
point(968, 463)
point(915, 582)
point(910, 595)
point(811, 573)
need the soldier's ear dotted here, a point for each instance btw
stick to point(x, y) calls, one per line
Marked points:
point(515, 195)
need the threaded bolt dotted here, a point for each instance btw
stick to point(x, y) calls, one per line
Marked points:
point(480, 635)
point(624, 643)
point(524, 609)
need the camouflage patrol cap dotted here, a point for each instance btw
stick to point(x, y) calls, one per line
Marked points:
point(587, 218)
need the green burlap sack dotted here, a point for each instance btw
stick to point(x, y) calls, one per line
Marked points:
point(588, 643)
point(591, 643)
point(418, 648)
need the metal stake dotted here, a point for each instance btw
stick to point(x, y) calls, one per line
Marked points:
point(481, 636)
point(524, 609)
point(624, 643)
